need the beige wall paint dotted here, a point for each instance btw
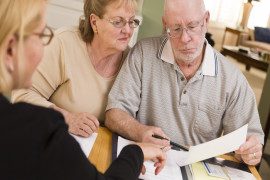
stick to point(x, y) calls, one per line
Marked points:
point(264, 105)
point(152, 12)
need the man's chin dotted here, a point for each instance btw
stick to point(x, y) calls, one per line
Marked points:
point(186, 57)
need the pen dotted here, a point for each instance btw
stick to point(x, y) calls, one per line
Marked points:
point(171, 142)
point(208, 170)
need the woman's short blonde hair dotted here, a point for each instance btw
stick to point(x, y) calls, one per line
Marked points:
point(98, 7)
point(18, 18)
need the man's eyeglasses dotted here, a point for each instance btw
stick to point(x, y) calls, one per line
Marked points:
point(120, 22)
point(46, 36)
point(193, 28)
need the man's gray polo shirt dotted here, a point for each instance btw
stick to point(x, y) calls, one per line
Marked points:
point(152, 89)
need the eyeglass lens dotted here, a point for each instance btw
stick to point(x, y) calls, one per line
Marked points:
point(120, 23)
point(191, 29)
point(47, 36)
point(178, 30)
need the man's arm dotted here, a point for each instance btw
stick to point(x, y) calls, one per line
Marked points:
point(122, 123)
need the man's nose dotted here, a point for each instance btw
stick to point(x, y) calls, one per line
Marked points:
point(185, 37)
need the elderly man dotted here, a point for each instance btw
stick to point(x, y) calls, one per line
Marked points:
point(177, 85)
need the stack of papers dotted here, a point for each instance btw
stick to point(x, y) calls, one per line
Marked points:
point(86, 144)
point(170, 171)
point(216, 147)
point(175, 159)
point(215, 172)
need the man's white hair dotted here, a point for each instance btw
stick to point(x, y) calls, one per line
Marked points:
point(203, 10)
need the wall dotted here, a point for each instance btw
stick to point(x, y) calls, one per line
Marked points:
point(265, 101)
point(152, 12)
point(64, 13)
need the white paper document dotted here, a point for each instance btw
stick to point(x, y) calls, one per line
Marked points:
point(216, 147)
point(215, 170)
point(86, 143)
point(170, 171)
point(175, 159)
point(236, 174)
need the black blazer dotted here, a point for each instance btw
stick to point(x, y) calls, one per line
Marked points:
point(35, 144)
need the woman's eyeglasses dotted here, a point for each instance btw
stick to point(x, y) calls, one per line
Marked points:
point(46, 36)
point(121, 22)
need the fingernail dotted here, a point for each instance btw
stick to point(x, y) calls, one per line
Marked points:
point(163, 148)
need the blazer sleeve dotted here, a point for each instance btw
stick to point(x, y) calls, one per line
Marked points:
point(128, 165)
point(62, 157)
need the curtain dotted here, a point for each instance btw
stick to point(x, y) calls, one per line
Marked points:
point(225, 12)
point(259, 15)
point(229, 12)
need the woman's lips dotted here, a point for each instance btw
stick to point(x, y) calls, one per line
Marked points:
point(123, 39)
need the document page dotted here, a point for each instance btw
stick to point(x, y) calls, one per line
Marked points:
point(226, 172)
point(236, 174)
point(216, 147)
point(170, 171)
point(86, 143)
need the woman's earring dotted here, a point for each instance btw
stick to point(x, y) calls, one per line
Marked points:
point(95, 31)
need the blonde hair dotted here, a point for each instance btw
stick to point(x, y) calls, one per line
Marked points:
point(18, 18)
point(98, 7)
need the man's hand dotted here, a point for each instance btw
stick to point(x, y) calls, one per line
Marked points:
point(82, 124)
point(148, 131)
point(155, 153)
point(251, 151)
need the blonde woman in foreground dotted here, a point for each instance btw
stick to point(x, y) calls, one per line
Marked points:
point(35, 143)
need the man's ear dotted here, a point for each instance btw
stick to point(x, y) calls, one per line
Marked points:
point(164, 24)
point(11, 49)
point(207, 17)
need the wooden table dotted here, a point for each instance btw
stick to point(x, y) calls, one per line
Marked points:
point(248, 59)
point(101, 153)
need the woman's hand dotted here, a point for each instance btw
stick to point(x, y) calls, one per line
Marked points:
point(82, 124)
point(155, 153)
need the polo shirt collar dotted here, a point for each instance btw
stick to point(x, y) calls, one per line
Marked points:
point(209, 65)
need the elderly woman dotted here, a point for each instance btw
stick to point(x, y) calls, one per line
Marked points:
point(81, 64)
point(35, 143)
